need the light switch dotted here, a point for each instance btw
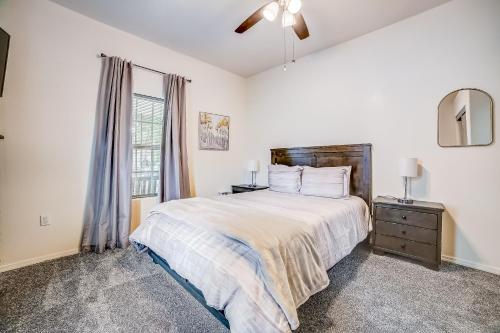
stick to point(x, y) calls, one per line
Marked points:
point(44, 220)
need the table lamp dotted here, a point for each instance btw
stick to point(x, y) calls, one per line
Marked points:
point(407, 169)
point(253, 167)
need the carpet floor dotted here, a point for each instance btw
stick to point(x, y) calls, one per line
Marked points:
point(123, 291)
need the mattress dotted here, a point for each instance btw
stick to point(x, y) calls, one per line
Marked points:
point(228, 271)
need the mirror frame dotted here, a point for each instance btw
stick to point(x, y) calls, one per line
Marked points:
point(492, 118)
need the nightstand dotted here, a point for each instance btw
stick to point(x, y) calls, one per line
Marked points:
point(247, 188)
point(413, 231)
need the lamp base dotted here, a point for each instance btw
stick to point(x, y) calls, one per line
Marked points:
point(254, 183)
point(406, 201)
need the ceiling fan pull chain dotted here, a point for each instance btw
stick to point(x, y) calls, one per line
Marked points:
point(293, 47)
point(284, 49)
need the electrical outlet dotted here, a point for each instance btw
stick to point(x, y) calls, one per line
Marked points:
point(44, 221)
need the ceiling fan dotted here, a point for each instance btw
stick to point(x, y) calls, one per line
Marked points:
point(290, 17)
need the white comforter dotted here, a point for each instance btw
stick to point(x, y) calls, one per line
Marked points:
point(258, 256)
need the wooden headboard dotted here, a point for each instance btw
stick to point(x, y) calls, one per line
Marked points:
point(358, 156)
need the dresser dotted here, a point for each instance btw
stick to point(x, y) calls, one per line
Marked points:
point(413, 231)
point(247, 188)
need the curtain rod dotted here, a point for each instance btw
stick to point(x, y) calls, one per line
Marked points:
point(102, 55)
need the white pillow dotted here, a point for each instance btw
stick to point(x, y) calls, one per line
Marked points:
point(330, 182)
point(282, 178)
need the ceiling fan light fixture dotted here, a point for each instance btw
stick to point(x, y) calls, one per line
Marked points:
point(294, 6)
point(271, 11)
point(288, 19)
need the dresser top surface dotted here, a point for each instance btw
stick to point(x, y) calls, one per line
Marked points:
point(416, 204)
point(250, 187)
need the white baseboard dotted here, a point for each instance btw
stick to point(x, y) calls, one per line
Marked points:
point(36, 260)
point(471, 264)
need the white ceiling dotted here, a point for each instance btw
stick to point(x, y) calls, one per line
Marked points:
point(205, 29)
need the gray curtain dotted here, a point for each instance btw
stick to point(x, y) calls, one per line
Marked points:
point(107, 212)
point(174, 174)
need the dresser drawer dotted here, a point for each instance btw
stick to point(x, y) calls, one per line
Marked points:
point(415, 249)
point(407, 232)
point(419, 219)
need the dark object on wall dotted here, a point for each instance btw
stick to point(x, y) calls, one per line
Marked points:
point(4, 51)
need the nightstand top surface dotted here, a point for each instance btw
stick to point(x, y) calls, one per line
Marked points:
point(257, 187)
point(416, 204)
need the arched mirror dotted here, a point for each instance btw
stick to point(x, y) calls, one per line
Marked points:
point(465, 118)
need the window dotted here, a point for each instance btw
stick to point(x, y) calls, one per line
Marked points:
point(147, 125)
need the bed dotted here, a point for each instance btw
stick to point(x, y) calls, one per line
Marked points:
point(253, 258)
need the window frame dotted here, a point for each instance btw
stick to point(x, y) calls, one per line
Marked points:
point(155, 99)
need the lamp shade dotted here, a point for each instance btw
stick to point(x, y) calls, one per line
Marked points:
point(294, 6)
point(253, 165)
point(271, 11)
point(408, 167)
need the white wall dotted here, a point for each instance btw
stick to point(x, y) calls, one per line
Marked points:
point(384, 88)
point(47, 116)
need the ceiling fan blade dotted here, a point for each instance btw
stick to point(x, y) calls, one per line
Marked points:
point(300, 27)
point(252, 20)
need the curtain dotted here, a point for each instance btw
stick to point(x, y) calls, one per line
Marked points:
point(107, 212)
point(174, 174)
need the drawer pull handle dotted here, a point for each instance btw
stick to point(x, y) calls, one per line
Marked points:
point(403, 232)
point(403, 246)
point(404, 217)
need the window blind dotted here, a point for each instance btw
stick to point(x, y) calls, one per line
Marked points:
point(147, 126)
